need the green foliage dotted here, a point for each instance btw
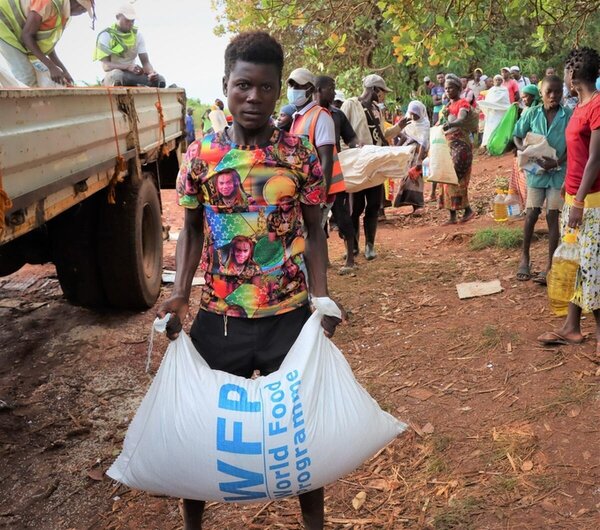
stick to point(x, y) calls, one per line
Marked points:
point(199, 110)
point(500, 237)
point(403, 41)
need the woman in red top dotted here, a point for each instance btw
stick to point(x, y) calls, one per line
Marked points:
point(456, 197)
point(582, 194)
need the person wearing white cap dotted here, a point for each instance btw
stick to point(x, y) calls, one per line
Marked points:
point(510, 84)
point(118, 47)
point(29, 32)
point(339, 99)
point(477, 84)
point(427, 86)
point(313, 121)
point(363, 114)
point(520, 79)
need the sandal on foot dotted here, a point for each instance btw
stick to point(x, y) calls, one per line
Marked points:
point(552, 338)
point(540, 278)
point(449, 222)
point(524, 273)
point(346, 270)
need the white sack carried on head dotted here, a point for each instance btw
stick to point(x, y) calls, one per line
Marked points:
point(371, 165)
point(208, 435)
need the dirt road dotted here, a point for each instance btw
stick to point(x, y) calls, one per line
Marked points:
point(504, 434)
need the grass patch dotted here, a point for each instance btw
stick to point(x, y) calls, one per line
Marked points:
point(436, 465)
point(571, 392)
point(502, 485)
point(499, 237)
point(459, 515)
point(513, 444)
point(491, 337)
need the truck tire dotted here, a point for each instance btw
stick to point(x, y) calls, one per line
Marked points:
point(130, 245)
point(73, 240)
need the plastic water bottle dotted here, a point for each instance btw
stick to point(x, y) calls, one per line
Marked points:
point(500, 209)
point(563, 275)
point(425, 168)
point(513, 205)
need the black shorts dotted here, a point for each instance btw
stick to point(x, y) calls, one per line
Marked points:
point(250, 344)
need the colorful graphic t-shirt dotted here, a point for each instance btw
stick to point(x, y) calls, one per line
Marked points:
point(252, 258)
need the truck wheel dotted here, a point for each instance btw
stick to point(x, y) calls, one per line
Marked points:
point(73, 240)
point(130, 245)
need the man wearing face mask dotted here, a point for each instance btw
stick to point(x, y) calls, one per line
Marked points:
point(316, 123)
point(366, 120)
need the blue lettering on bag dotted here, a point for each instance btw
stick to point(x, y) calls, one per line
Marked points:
point(238, 488)
point(242, 404)
point(236, 445)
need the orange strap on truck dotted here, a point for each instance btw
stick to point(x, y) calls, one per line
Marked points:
point(162, 124)
point(5, 204)
point(120, 163)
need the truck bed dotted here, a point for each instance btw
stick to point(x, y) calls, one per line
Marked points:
point(59, 146)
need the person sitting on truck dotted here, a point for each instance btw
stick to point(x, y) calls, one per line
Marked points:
point(118, 47)
point(29, 31)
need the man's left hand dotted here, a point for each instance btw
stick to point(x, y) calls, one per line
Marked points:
point(152, 76)
point(547, 163)
point(330, 323)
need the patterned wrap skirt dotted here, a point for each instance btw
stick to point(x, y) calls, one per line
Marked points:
point(587, 287)
point(456, 197)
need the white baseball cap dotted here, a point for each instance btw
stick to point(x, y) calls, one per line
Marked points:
point(375, 81)
point(515, 69)
point(127, 11)
point(302, 76)
point(339, 96)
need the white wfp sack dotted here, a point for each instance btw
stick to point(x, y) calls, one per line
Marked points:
point(7, 80)
point(207, 435)
point(536, 147)
point(371, 165)
point(441, 168)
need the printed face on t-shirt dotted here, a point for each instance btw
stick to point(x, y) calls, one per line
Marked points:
point(242, 252)
point(226, 185)
point(286, 203)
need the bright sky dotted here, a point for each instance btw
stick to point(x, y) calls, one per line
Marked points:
point(179, 37)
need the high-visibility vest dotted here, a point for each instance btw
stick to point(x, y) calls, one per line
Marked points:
point(12, 21)
point(305, 125)
point(119, 42)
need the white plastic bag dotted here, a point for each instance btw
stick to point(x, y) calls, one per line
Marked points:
point(441, 168)
point(207, 435)
point(536, 147)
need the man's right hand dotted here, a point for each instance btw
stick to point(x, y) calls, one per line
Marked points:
point(57, 75)
point(178, 307)
point(135, 69)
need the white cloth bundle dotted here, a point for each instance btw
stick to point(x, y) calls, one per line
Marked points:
point(371, 165)
point(536, 147)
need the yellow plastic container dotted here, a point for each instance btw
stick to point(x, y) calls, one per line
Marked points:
point(500, 208)
point(563, 275)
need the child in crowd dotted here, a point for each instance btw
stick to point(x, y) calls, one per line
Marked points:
point(543, 186)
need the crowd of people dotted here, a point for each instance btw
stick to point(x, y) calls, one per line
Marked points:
point(259, 188)
point(287, 170)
